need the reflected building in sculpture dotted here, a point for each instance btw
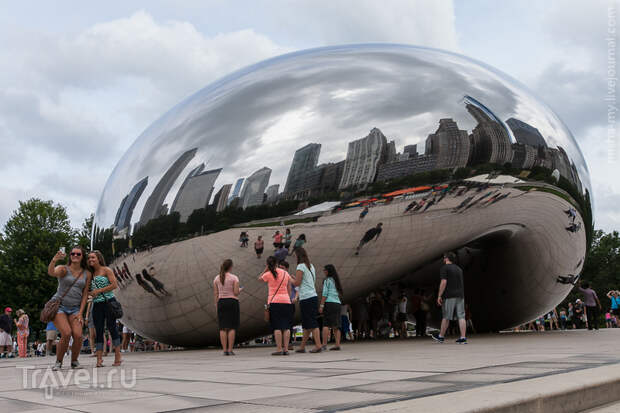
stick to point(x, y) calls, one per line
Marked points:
point(490, 141)
point(236, 190)
point(481, 187)
point(526, 134)
point(195, 192)
point(364, 156)
point(220, 200)
point(304, 161)
point(449, 144)
point(253, 193)
point(125, 211)
point(154, 203)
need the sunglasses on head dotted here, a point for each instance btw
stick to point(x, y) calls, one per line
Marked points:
point(76, 254)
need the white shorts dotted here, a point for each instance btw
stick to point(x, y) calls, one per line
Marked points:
point(5, 339)
point(126, 330)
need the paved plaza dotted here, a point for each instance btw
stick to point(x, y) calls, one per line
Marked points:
point(569, 371)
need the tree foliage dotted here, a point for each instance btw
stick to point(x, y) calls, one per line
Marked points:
point(32, 235)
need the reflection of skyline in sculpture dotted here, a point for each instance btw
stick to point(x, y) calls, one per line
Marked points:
point(490, 141)
point(195, 192)
point(254, 188)
point(237, 190)
point(450, 145)
point(363, 159)
point(191, 173)
point(125, 211)
point(154, 203)
point(526, 134)
point(272, 193)
point(260, 116)
point(220, 200)
point(304, 161)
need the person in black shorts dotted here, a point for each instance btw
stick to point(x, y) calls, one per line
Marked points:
point(368, 236)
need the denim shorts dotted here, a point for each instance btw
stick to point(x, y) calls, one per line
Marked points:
point(68, 310)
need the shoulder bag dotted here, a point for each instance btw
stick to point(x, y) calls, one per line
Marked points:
point(114, 308)
point(51, 307)
point(272, 297)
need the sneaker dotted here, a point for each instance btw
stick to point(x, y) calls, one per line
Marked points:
point(437, 338)
point(461, 340)
point(57, 366)
point(75, 365)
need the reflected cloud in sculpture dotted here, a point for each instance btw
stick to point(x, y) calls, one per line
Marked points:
point(340, 124)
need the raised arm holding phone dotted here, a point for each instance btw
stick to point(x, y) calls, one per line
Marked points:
point(72, 292)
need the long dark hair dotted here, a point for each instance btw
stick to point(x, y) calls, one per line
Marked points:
point(226, 265)
point(302, 257)
point(332, 273)
point(84, 260)
point(272, 264)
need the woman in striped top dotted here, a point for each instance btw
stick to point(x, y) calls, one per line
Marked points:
point(102, 287)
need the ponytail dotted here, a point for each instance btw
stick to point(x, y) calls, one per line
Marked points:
point(271, 264)
point(226, 265)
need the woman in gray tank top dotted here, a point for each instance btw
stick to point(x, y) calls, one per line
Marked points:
point(73, 279)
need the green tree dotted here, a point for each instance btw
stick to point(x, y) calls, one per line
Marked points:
point(84, 233)
point(32, 236)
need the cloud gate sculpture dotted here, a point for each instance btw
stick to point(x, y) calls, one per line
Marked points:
point(448, 153)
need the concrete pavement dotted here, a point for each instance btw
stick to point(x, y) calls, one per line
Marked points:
point(552, 371)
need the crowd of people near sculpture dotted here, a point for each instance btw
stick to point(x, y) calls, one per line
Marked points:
point(580, 313)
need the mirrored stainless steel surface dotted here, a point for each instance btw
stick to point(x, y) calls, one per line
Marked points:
point(447, 153)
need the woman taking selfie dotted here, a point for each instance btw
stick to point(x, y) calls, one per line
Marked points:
point(226, 297)
point(102, 286)
point(73, 280)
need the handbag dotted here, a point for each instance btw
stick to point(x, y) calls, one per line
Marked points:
point(114, 308)
point(51, 307)
point(266, 316)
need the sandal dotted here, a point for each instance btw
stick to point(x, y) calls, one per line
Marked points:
point(300, 350)
point(335, 348)
point(277, 353)
point(117, 363)
point(316, 350)
point(100, 365)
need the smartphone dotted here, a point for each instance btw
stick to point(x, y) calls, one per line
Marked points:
point(62, 249)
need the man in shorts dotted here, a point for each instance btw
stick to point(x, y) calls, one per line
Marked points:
point(51, 333)
point(6, 341)
point(451, 298)
point(368, 236)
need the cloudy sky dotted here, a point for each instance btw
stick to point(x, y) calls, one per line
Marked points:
point(78, 83)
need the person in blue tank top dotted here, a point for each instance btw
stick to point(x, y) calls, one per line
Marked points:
point(102, 289)
point(73, 281)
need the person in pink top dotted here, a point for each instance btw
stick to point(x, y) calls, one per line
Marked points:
point(22, 333)
point(279, 302)
point(226, 298)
